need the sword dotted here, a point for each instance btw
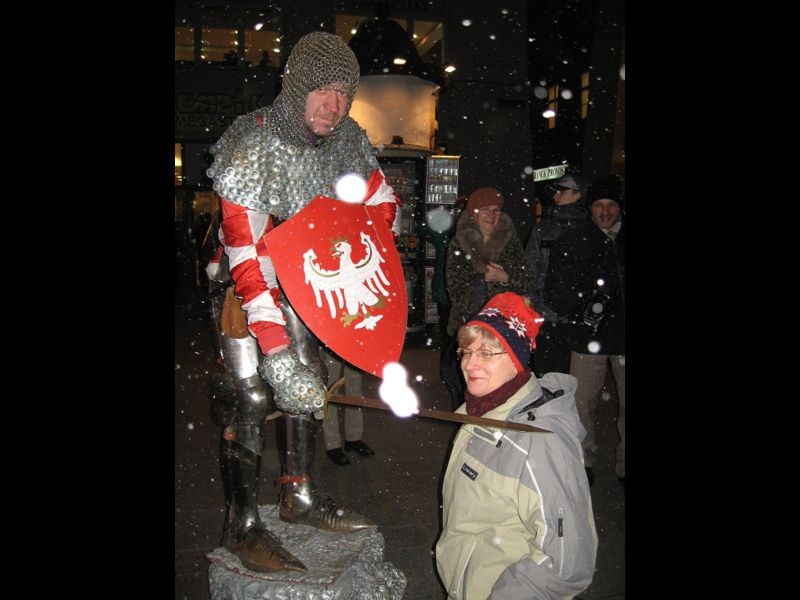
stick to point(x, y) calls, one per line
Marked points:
point(438, 414)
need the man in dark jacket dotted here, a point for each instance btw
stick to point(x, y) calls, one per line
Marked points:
point(586, 286)
point(567, 212)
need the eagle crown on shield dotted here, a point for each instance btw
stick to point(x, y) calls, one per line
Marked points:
point(356, 285)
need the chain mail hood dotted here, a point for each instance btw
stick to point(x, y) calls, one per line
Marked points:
point(318, 60)
point(268, 161)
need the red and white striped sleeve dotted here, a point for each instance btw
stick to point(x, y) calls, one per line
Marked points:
point(381, 194)
point(253, 273)
point(212, 268)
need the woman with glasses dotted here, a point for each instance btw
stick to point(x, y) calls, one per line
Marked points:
point(485, 257)
point(517, 512)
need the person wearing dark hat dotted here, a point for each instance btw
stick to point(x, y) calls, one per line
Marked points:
point(517, 511)
point(586, 285)
point(567, 212)
point(485, 257)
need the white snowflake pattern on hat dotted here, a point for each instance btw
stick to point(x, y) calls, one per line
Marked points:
point(516, 325)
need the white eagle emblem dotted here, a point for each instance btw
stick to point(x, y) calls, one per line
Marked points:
point(355, 285)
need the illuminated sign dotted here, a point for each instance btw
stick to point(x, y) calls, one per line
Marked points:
point(549, 172)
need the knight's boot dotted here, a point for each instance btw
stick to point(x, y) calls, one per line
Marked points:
point(299, 501)
point(244, 534)
point(243, 441)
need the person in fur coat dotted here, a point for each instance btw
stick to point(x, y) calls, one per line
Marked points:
point(485, 257)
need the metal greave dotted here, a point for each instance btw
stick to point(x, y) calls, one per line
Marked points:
point(297, 434)
point(241, 470)
point(241, 444)
point(243, 410)
point(297, 441)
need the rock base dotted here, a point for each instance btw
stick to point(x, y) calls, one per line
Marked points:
point(341, 566)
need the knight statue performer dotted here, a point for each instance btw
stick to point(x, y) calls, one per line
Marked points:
point(267, 167)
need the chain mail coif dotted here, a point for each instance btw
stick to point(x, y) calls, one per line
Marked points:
point(318, 60)
point(280, 166)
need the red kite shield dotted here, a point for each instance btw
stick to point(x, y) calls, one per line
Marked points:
point(338, 266)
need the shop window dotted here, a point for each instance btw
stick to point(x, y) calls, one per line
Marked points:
point(584, 94)
point(178, 165)
point(262, 46)
point(219, 46)
point(427, 36)
point(184, 44)
point(347, 25)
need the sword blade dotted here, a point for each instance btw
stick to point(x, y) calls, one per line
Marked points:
point(441, 415)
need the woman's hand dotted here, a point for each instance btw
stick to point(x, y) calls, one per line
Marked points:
point(495, 273)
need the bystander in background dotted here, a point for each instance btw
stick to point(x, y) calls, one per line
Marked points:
point(437, 230)
point(586, 282)
point(566, 212)
point(353, 415)
point(484, 258)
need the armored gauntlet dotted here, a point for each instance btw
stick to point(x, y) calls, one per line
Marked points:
point(296, 388)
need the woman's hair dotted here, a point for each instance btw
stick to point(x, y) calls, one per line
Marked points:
point(469, 333)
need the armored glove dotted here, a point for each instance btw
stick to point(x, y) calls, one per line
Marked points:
point(296, 388)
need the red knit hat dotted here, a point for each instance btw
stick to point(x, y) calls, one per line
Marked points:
point(483, 197)
point(515, 323)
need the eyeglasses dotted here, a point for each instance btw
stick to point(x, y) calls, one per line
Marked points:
point(482, 355)
point(489, 211)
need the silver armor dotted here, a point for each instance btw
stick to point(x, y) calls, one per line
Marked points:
point(297, 389)
point(241, 405)
point(267, 161)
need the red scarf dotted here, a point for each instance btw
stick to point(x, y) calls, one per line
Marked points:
point(480, 406)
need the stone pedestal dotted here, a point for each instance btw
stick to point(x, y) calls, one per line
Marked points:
point(341, 566)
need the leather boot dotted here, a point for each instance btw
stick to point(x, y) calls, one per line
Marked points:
point(299, 501)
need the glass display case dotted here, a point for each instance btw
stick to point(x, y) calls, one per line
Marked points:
point(405, 172)
point(441, 193)
point(442, 180)
point(424, 183)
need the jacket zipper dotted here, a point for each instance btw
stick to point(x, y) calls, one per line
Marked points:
point(561, 539)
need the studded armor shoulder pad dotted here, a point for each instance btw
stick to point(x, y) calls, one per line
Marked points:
point(255, 169)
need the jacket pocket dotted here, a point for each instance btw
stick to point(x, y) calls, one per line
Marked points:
point(571, 546)
point(454, 554)
point(462, 584)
